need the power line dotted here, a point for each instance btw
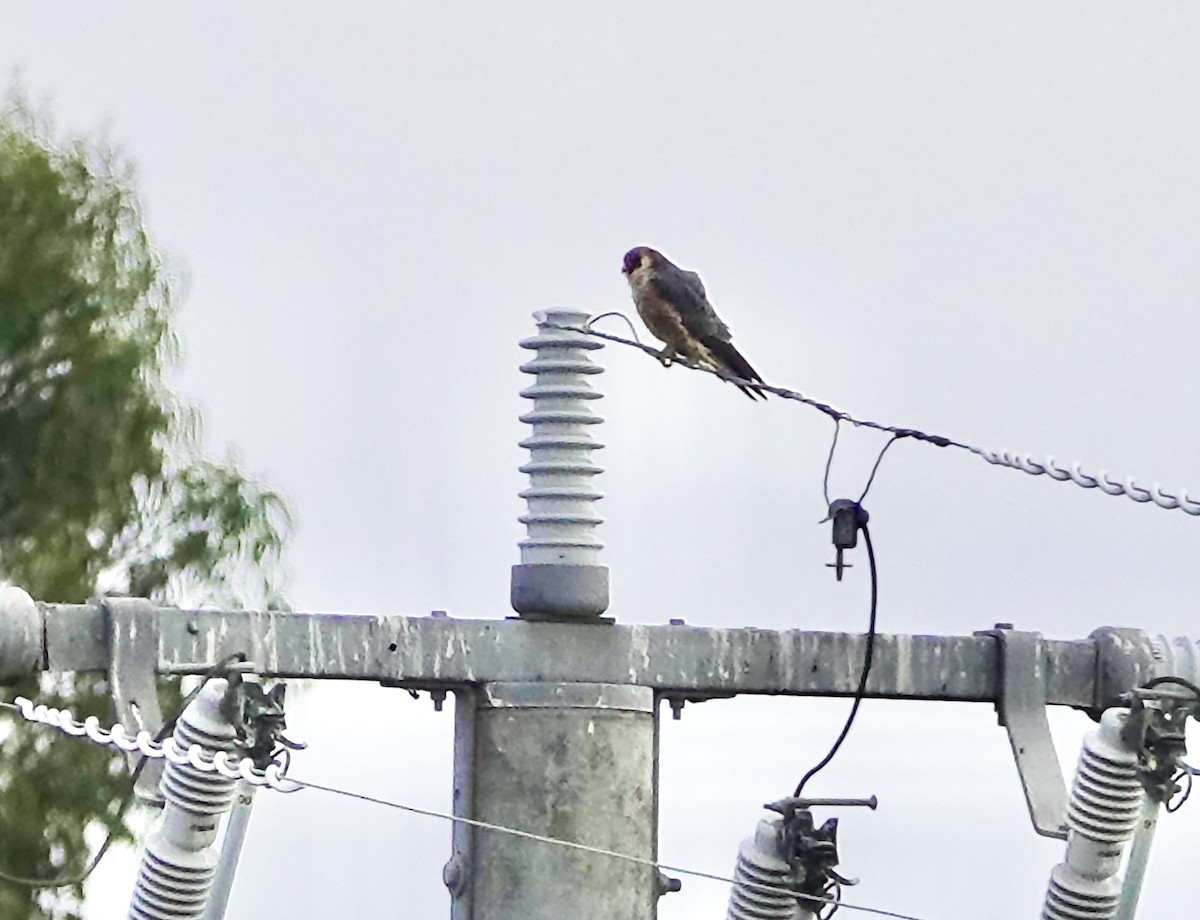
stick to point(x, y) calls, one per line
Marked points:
point(277, 780)
point(540, 838)
point(1024, 462)
point(61, 719)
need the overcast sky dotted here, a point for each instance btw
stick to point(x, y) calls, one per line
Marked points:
point(978, 220)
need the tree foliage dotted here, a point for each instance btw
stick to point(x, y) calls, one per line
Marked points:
point(103, 486)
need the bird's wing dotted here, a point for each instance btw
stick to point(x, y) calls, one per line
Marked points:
point(685, 292)
point(693, 280)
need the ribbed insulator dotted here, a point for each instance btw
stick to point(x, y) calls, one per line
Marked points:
point(1073, 897)
point(561, 518)
point(179, 859)
point(759, 863)
point(1106, 796)
point(1102, 813)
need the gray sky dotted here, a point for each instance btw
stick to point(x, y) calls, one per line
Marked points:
point(978, 221)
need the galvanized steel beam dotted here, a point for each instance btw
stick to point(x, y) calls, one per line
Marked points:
point(686, 662)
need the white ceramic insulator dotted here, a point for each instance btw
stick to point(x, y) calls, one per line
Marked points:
point(179, 858)
point(1102, 813)
point(561, 518)
point(762, 878)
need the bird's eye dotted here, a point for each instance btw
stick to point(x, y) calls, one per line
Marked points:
point(633, 259)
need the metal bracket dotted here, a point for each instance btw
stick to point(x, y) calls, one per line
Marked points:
point(1021, 708)
point(132, 627)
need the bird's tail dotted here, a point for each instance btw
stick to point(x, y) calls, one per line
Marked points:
point(731, 360)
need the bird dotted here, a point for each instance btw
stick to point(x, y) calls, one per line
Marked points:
point(674, 306)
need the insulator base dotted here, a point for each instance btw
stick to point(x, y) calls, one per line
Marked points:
point(172, 883)
point(567, 592)
point(1073, 897)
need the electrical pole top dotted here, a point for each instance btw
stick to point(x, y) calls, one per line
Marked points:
point(675, 660)
point(559, 678)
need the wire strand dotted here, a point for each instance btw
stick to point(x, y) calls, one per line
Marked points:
point(837, 427)
point(1167, 500)
point(782, 392)
point(288, 784)
point(866, 670)
point(875, 469)
point(599, 851)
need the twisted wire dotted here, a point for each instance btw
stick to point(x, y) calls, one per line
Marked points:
point(1023, 462)
point(1130, 489)
point(145, 744)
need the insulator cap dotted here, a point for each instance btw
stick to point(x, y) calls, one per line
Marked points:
point(762, 878)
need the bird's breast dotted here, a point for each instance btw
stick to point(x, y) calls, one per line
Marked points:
point(659, 314)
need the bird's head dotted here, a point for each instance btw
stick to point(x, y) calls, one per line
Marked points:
point(637, 257)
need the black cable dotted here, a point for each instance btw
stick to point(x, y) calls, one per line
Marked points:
point(862, 682)
point(1178, 681)
point(1173, 807)
point(875, 469)
point(80, 877)
point(836, 890)
point(837, 427)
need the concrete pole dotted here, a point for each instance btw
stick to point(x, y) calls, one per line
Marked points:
point(457, 871)
point(574, 762)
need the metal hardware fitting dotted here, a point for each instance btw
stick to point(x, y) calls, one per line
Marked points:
point(132, 627)
point(1021, 709)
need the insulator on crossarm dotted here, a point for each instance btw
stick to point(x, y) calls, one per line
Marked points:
point(762, 888)
point(560, 575)
point(179, 858)
point(1102, 813)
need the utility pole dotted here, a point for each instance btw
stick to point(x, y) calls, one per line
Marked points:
point(557, 709)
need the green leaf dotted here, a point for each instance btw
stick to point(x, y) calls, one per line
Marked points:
point(102, 482)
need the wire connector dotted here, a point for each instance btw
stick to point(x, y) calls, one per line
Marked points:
point(1155, 729)
point(812, 850)
point(847, 516)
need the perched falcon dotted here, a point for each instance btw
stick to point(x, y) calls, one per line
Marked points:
point(674, 306)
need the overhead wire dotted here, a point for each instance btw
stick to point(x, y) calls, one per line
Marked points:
point(837, 427)
point(599, 851)
point(1022, 462)
point(78, 878)
point(286, 783)
point(875, 469)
